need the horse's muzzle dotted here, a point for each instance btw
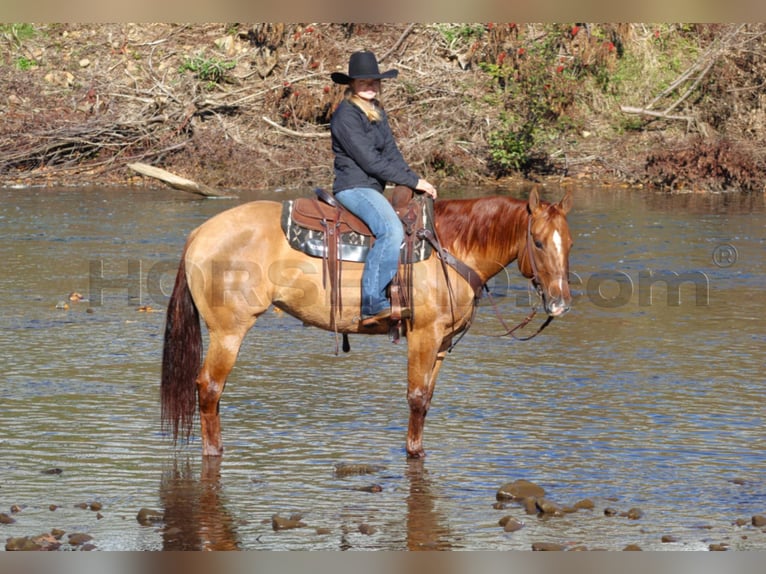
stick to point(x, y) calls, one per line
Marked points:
point(557, 307)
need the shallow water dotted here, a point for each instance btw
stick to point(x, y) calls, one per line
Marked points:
point(641, 397)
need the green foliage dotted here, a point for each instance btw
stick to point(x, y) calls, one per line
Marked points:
point(24, 63)
point(16, 33)
point(454, 33)
point(210, 70)
point(510, 148)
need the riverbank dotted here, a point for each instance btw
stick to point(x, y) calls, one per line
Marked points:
point(239, 106)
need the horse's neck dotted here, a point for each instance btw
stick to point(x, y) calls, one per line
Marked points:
point(489, 233)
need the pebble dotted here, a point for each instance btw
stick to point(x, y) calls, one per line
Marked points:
point(667, 538)
point(759, 520)
point(78, 538)
point(6, 518)
point(511, 524)
point(367, 529)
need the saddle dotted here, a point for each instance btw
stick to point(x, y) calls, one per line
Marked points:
point(321, 227)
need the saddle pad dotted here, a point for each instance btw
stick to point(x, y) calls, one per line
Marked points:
point(354, 245)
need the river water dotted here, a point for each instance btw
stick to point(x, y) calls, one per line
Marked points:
point(648, 395)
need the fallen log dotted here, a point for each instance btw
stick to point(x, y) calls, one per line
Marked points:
point(176, 181)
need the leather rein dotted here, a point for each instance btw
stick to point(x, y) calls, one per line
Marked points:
point(476, 283)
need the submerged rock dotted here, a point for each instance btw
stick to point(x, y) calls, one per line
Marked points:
point(78, 538)
point(547, 547)
point(520, 489)
point(351, 469)
point(511, 524)
point(282, 523)
point(42, 542)
point(147, 517)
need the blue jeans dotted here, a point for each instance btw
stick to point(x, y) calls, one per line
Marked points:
point(382, 261)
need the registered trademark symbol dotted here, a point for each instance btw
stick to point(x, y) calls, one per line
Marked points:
point(725, 255)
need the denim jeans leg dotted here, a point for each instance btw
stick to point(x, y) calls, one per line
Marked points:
point(382, 261)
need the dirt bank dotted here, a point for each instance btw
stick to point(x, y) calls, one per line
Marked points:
point(247, 105)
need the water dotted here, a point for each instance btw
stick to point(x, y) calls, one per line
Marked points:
point(646, 395)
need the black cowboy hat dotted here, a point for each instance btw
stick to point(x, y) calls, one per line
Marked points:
point(364, 66)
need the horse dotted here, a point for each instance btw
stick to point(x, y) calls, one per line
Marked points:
point(238, 263)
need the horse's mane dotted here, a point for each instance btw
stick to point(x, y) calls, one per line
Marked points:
point(480, 225)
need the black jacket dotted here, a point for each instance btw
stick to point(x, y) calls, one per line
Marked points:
point(365, 153)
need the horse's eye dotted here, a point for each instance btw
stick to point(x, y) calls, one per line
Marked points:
point(538, 244)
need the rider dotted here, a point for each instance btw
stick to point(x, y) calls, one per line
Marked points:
point(366, 158)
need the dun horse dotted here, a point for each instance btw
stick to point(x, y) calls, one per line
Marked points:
point(238, 263)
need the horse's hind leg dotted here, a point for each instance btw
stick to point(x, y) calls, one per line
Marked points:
point(219, 361)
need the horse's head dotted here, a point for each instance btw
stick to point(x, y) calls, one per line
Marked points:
point(545, 258)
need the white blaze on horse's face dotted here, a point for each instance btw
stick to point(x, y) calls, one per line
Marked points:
point(552, 245)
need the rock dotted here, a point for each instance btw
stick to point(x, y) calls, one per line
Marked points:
point(95, 506)
point(15, 508)
point(6, 518)
point(84, 63)
point(82, 505)
point(718, 547)
point(530, 505)
point(43, 542)
point(511, 524)
point(57, 533)
point(52, 471)
point(548, 507)
point(78, 538)
point(547, 547)
point(281, 523)
point(667, 538)
point(610, 512)
point(367, 529)
point(520, 489)
point(371, 488)
point(60, 78)
point(585, 504)
point(349, 469)
point(633, 513)
point(632, 548)
point(147, 517)
point(759, 520)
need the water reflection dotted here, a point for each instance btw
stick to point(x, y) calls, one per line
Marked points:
point(196, 517)
point(426, 527)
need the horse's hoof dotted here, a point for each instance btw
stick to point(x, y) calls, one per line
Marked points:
point(416, 455)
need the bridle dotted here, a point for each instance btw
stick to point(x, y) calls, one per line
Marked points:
point(535, 281)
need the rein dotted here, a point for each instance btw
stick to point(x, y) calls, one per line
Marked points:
point(476, 283)
point(536, 283)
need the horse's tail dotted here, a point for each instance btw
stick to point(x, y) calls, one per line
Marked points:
point(181, 354)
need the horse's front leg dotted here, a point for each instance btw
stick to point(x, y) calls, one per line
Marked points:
point(424, 362)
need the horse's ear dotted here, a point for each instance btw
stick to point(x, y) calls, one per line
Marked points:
point(533, 203)
point(566, 203)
